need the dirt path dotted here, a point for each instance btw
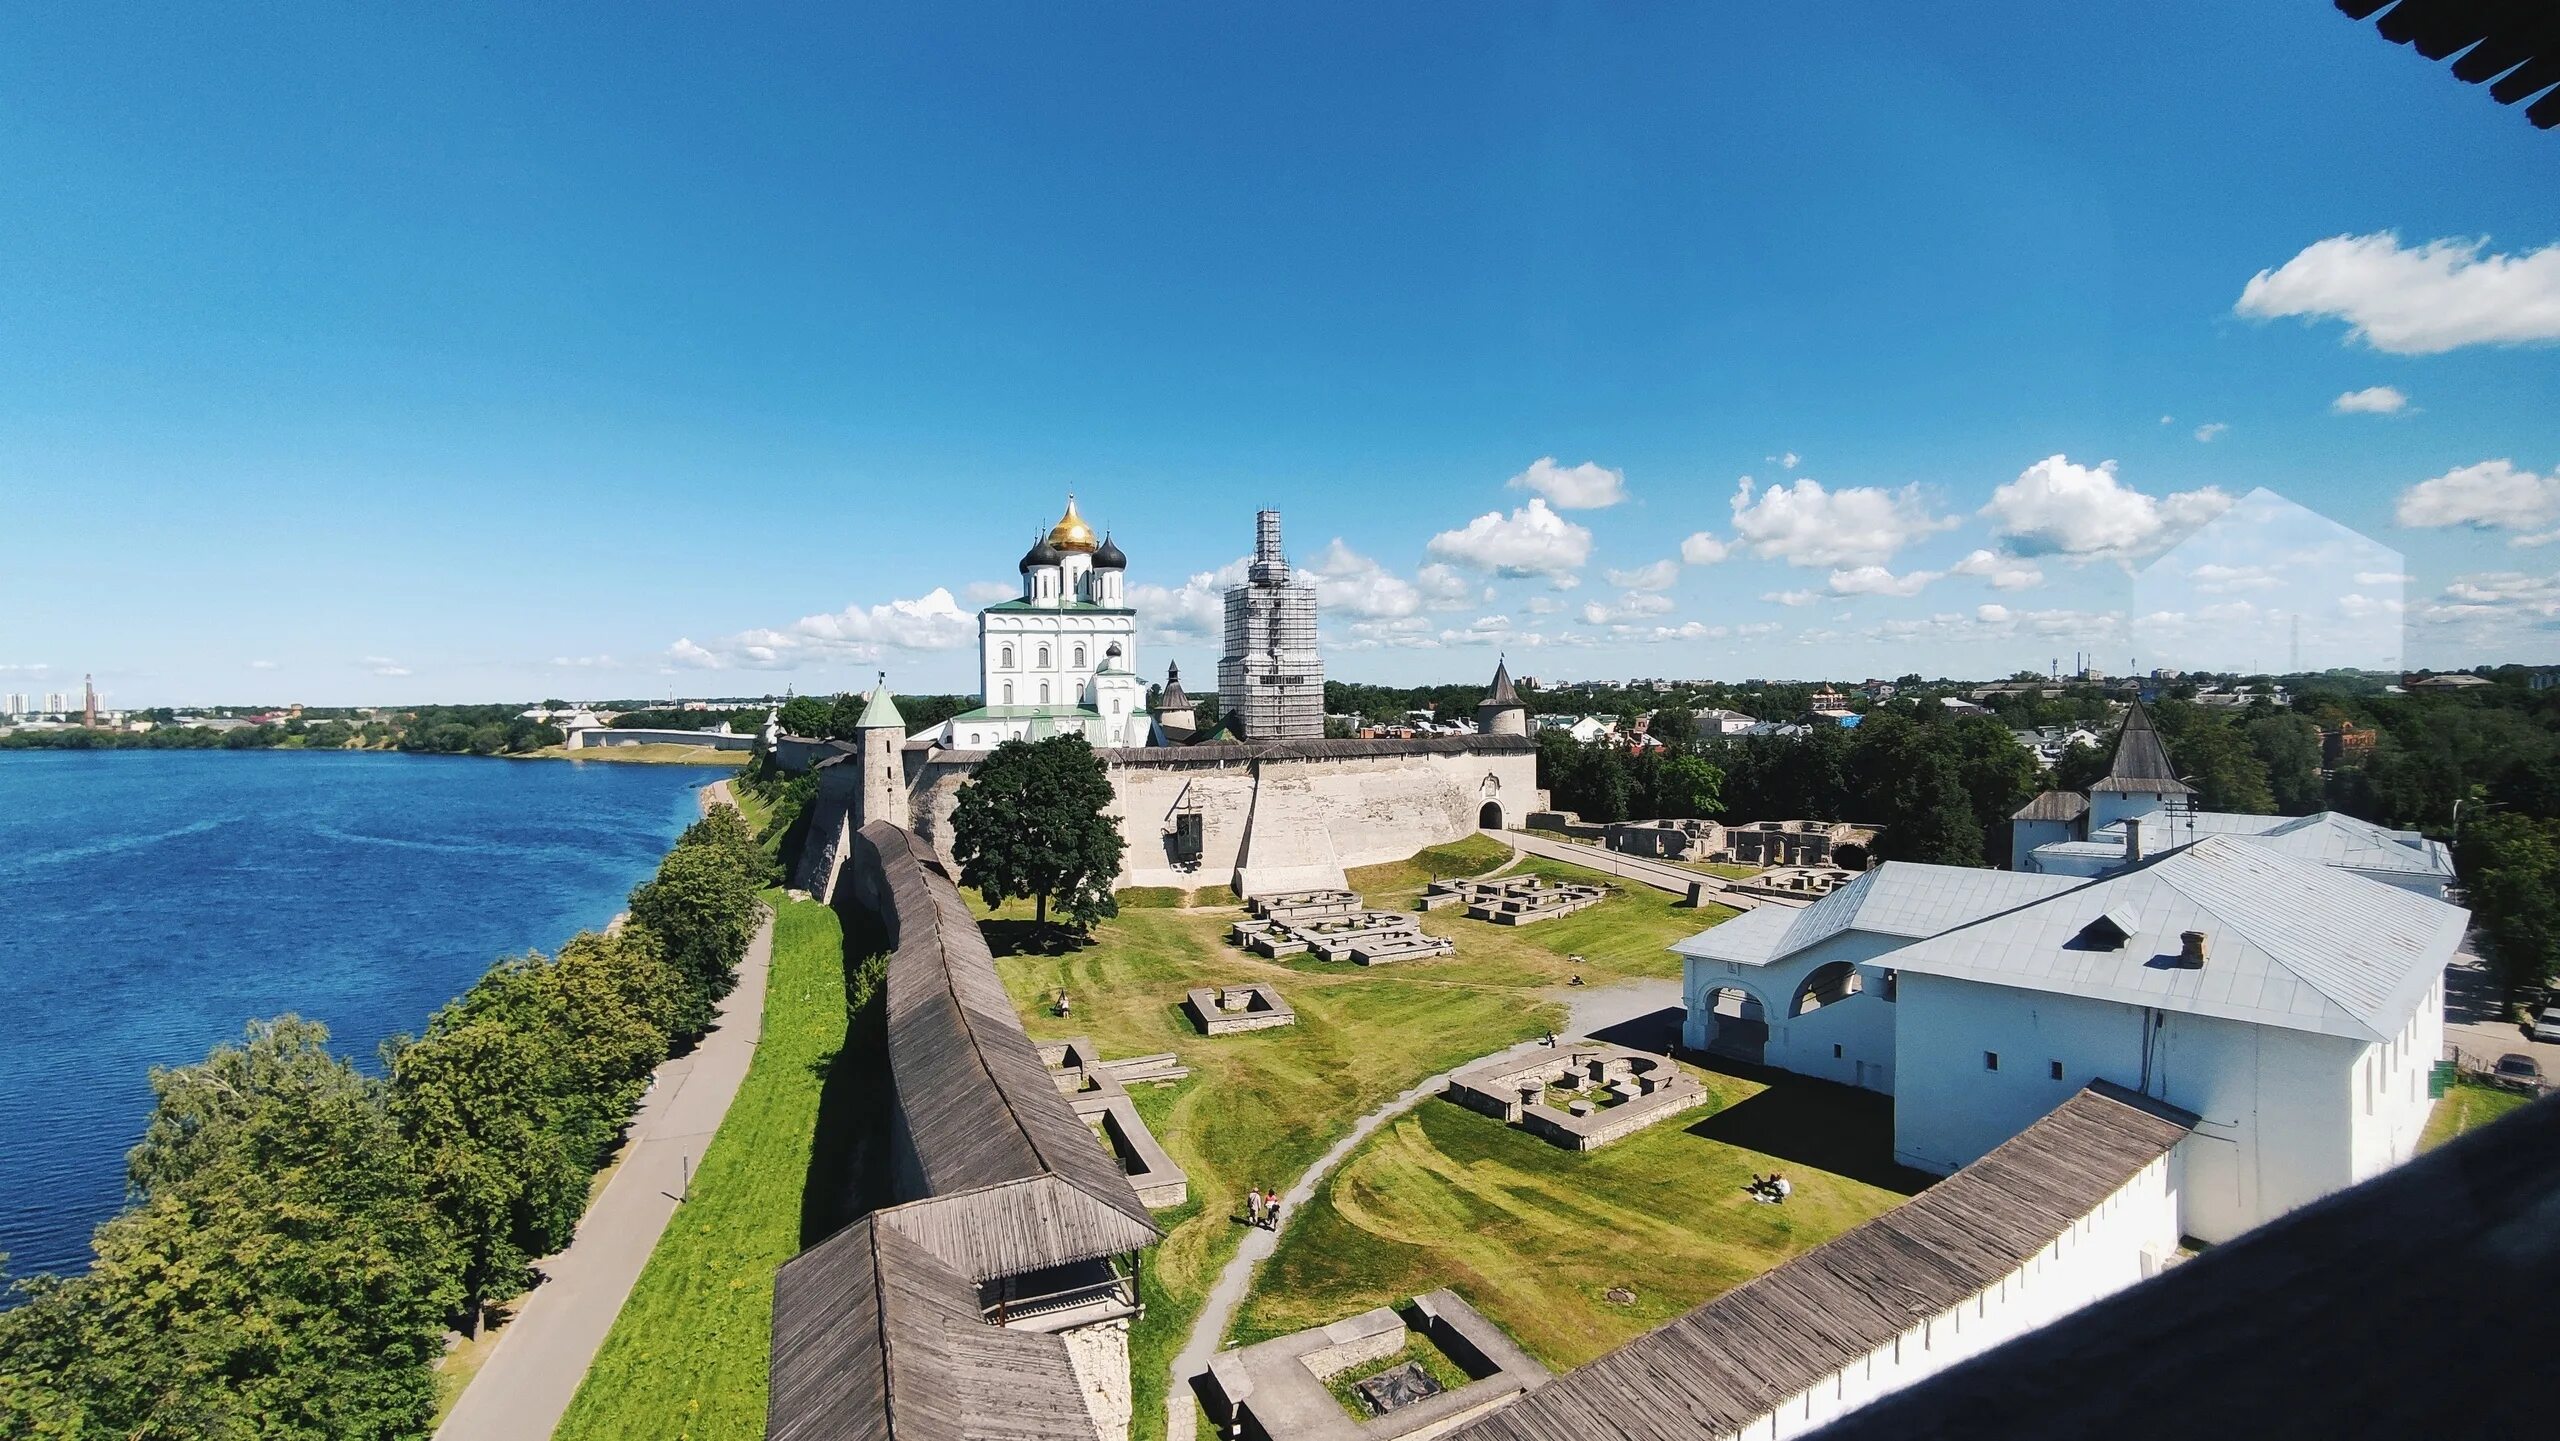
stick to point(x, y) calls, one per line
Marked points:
point(1593, 1009)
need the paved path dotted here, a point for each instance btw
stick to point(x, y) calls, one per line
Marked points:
point(2473, 1026)
point(1593, 1009)
point(535, 1367)
point(1657, 874)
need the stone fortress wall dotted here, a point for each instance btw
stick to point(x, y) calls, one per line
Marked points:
point(1276, 816)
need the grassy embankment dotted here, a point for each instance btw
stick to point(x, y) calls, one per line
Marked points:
point(1535, 1236)
point(1259, 1108)
point(2467, 1106)
point(658, 755)
point(687, 1355)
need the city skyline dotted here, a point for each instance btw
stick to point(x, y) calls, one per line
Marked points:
point(1651, 344)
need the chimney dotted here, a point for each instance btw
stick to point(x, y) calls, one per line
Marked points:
point(2133, 840)
point(2191, 950)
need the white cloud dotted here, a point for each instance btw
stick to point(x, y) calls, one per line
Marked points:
point(2493, 495)
point(2003, 572)
point(1876, 580)
point(1631, 606)
point(1531, 541)
point(2415, 301)
point(686, 653)
point(1539, 605)
point(585, 662)
point(1349, 583)
point(1658, 576)
point(2211, 430)
point(2216, 579)
point(2166, 419)
point(930, 622)
point(2057, 507)
point(1804, 524)
point(1194, 610)
point(383, 665)
point(1788, 461)
point(2382, 577)
point(1587, 486)
point(1991, 614)
point(1445, 588)
point(253, 665)
point(1791, 597)
point(988, 592)
point(1704, 549)
point(2372, 400)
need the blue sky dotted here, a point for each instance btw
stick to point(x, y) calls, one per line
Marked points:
point(393, 353)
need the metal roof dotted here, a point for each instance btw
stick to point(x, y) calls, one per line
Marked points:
point(2052, 806)
point(1898, 898)
point(2290, 942)
point(1735, 1359)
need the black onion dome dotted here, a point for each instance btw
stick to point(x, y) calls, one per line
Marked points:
point(1109, 556)
point(1041, 553)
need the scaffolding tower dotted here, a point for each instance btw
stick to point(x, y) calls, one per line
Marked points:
point(1271, 679)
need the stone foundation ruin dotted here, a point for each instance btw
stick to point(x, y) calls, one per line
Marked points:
point(1098, 1092)
point(1514, 900)
point(1580, 1096)
point(1277, 1389)
point(1333, 925)
point(1227, 1010)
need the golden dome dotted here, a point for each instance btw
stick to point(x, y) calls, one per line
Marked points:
point(1071, 533)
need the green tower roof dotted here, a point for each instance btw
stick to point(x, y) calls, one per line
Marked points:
point(879, 710)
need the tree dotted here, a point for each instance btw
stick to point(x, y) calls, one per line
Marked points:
point(1691, 786)
point(2081, 767)
point(844, 718)
point(723, 828)
point(2288, 747)
point(278, 1274)
point(804, 715)
point(1033, 823)
point(1998, 775)
point(701, 908)
point(1676, 726)
point(1933, 820)
point(2511, 866)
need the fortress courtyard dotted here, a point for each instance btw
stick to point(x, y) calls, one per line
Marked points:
point(1535, 1237)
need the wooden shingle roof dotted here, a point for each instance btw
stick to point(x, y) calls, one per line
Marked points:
point(1734, 1359)
point(1012, 1182)
point(2141, 763)
point(2512, 46)
point(2052, 806)
point(874, 1338)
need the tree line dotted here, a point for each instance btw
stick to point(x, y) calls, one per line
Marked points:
point(300, 1236)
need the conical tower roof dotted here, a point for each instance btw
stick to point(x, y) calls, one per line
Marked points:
point(880, 710)
point(2142, 764)
point(1503, 693)
point(1172, 698)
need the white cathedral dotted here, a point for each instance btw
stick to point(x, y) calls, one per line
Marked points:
point(1060, 658)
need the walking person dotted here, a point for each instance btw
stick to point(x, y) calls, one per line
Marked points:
point(1271, 1210)
point(1253, 1206)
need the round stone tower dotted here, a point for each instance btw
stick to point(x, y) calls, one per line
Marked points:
point(1502, 712)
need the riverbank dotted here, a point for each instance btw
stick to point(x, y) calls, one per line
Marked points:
point(648, 755)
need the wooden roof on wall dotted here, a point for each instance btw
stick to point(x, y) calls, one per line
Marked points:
point(1734, 1359)
point(2512, 46)
point(1013, 1182)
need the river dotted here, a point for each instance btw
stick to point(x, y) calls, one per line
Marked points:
point(153, 901)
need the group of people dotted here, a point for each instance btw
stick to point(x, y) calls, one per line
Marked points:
point(1772, 1189)
point(1262, 1208)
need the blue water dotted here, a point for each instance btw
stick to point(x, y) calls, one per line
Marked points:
point(152, 901)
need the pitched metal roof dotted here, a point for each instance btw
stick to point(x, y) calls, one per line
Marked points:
point(1898, 898)
point(1015, 1182)
point(2052, 806)
point(1736, 1358)
point(880, 710)
point(2141, 763)
point(874, 1338)
point(2290, 942)
point(1503, 694)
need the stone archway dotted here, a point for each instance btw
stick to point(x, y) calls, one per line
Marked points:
point(1826, 985)
point(1737, 1024)
point(1489, 816)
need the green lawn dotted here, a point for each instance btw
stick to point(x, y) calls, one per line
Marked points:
point(1534, 1235)
point(2467, 1106)
point(687, 1356)
point(1261, 1106)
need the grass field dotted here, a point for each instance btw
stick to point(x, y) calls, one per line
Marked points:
point(658, 755)
point(1534, 1235)
point(1261, 1106)
point(687, 1356)
point(2466, 1106)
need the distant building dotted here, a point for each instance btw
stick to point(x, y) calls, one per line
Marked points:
point(1271, 679)
point(2451, 680)
point(1825, 698)
point(1716, 723)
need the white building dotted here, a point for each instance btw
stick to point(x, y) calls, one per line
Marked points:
point(2294, 1006)
point(1062, 656)
point(1717, 722)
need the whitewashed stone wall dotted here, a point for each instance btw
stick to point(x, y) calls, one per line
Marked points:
point(1100, 1356)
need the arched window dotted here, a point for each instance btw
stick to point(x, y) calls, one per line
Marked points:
point(1044, 692)
point(1079, 657)
point(1007, 658)
point(1008, 692)
point(1044, 662)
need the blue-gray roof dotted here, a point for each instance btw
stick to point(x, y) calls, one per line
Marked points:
point(1898, 898)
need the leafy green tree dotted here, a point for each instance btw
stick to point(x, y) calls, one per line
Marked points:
point(1998, 775)
point(2081, 767)
point(723, 828)
point(701, 907)
point(1676, 726)
point(2511, 870)
point(279, 1272)
point(1033, 822)
point(804, 715)
point(1932, 819)
point(1691, 786)
point(844, 718)
point(2288, 747)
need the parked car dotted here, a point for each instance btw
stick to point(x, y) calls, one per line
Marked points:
point(2518, 1072)
point(2546, 1027)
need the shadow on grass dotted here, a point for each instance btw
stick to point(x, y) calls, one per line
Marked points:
point(1819, 1124)
point(1029, 938)
point(849, 1154)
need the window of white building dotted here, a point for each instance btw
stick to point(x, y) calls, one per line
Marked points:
point(1005, 658)
point(1079, 657)
point(1044, 665)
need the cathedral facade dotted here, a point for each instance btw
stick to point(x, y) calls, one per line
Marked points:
point(1060, 658)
